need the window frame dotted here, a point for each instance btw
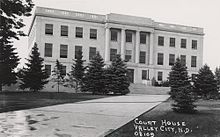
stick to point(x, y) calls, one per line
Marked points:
point(48, 30)
point(77, 48)
point(143, 38)
point(142, 57)
point(171, 59)
point(193, 61)
point(93, 34)
point(79, 32)
point(160, 40)
point(91, 52)
point(113, 53)
point(63, 50)
point(114, 35)
point(183, 43)
point(160, 76)
point(194, 44)
point(172, 42)
point(159, 60)
point(64, 31)
point(128, 37)
point(46, 54)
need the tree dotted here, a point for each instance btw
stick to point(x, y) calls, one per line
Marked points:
point(205, 83)
point(58, 75)
point(181, 89)
point(34, 77)
point(94, 80)
point(11, 12)
point(217, 75)
point(116, 77)
point(77, 73)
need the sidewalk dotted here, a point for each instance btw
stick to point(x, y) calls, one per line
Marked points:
point(93, 118)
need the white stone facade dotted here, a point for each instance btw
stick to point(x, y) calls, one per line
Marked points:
point(121, 25)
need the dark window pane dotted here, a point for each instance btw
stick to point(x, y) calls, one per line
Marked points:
point(171, 59)
point(113, 52)
point(63, 51)
point(142, 58)
point(160, 76)
point(160, 40)
point(114, 35)
point(128, 36)
point(194, 44)
point(92, 52)
point(160, 59)
point(93, 33)
point(64, 31)
point(143, 38)
point(193, 61)
point(183, 43)
point(49, 29)
point(77, 49)
point(172, 42)
point(79, 32)
point(48, 50)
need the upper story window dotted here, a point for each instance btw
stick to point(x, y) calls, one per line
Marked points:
point(128, 36)
point(183, 43)
point(64, 30)
point(160, 40)
point(63, 51)
point(78, 49)
point(183, 59)
point(160, 59)
point(128, 55)
point(92, 52)
point(143, 37)
point(113, 52)
point(142, 58)
point(48, 50)
point(93, 33)
point(114, 35)
point(172, 42)
point(79, 32)
point(194, 44)
point(49, 29)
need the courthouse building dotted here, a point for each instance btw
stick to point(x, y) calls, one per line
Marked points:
point(149, 47)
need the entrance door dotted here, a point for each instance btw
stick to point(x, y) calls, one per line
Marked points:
point(131, 75)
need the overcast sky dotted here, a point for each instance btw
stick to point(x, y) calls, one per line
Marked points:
point(198, 13)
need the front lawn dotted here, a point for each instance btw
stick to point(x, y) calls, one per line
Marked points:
point(10, 101)
point(163, 122)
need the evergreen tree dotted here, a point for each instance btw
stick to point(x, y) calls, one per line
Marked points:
point(77, 73)
point(116, 77)
point(94, 80)
point(181, 89)
point(34, 77)
point(11, 12)
point(205, 83)
point(58, 75)
point(217, 76)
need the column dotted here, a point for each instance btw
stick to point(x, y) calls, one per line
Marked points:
point(137, 47)
point(151, 49)
point(123, 44)
point(107, 40)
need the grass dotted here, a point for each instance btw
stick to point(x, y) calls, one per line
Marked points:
point(205, 123)
point(10, 101)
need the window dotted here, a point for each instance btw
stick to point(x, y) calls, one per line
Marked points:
point(171, 59)
point(113, 52)
point(128, 55)
point(114, 35)
point(49, 29)
point(77, 50)
point(79, 32)
point(160, 40)
point(63, 51)
point(183, 59)
point(48, 50)
point(183, 43)
point(48, 69)
point(64, 30)
point(142, 58)
point(143, 38)
point(63, 70)
point(159, 76)
point(145, 74)
point(93, 33)
point(92, 52)
point(193, 61)
point(194, 44)
point(128, 36)
point(160, 59)
point(172, 42)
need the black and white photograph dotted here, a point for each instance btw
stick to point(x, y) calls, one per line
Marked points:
point(109, 68)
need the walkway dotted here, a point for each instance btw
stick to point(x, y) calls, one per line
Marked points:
point(93, 118)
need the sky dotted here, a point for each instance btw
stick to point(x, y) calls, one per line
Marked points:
point(198, 13)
